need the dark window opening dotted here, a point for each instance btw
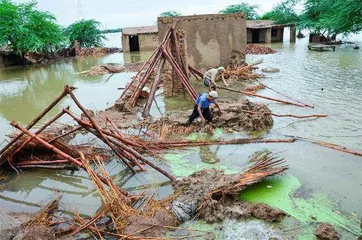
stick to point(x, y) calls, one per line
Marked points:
point(134, 45)
point(274, 32)
point(255, 34)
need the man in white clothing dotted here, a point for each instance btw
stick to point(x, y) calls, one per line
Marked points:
point(211, 75)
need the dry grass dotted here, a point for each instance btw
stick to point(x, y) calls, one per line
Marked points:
point(115, 203)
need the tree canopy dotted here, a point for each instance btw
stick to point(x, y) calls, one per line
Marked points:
point(86, 32)
point(170, 14)
point(249, 9)
point(332, 17)
point(323, 17)
point(25, 29)
point(283, 13)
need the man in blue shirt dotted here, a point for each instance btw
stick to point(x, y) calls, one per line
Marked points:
point(202, 108)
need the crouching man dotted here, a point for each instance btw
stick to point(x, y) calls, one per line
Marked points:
point(202, 108)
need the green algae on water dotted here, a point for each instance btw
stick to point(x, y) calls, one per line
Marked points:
point(183, 163)
point(310, 210)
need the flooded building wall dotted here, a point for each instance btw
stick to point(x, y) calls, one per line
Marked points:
point(211, 39)
point(277, 34)
point(266, 35)
point(143, 38)
point(146, 42)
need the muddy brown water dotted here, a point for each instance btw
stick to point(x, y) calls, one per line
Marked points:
point(330, 80)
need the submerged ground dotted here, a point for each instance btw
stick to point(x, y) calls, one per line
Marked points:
point(321, 185)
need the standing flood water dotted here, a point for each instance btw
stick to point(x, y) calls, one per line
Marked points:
point(319, 179)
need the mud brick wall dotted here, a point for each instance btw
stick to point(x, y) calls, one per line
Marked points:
point(147, 42)
point(211, 38)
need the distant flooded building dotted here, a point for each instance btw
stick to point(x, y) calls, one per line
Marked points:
point(7, 58)
point(265, 31)
point(139, 38)
point(210, 40)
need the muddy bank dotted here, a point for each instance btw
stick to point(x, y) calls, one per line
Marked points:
point(326, 232)
point(216, 211)
point(18, 226)
point(111, 68)
point(212, 196)
point(236, 117)
point(44, 58)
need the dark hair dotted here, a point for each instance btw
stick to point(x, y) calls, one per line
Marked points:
point(213, 88)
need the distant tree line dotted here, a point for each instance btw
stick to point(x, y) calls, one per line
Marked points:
point(116, 30)
point(322, 17)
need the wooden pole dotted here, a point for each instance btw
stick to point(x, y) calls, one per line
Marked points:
point(143, 82)
point(66, 134)
point(156, 81)
point(331, 146)
point(307, 105)
point(47, 145)
point(57, 151)
point(38, 132)
point(66, 91)
point(260, 96)
point(219, 142)
point(183, 78)
point(287, 115)
point(103, 138)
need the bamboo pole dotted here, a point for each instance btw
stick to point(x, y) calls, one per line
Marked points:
point(89, 125)
point(331, 146)
point(220, 142)
point(139, 156)
point(42, 162)
point(183, 78)
point(103, 138)
point(65, 92)
point(149, 70)
point(148, 61)
point(260, 96)
point(38, 132)
point(156, 81)
point(59, 152)
point(287, 115)
point(308, 105)
point(47, 145)
point(197, 72)
point(66, 134)
point(143, 82)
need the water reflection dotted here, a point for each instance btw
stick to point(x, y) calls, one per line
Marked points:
point(209, 156)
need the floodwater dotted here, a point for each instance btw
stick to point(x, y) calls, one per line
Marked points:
point(322, 184)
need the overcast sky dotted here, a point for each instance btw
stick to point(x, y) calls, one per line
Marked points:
point(122, 13)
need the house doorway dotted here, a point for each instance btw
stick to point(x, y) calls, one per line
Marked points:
point(134, 45)
point(255, 36)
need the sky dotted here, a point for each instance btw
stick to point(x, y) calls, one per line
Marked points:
point(132, 13)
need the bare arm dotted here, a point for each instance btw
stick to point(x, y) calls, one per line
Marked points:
point(223, 80)
point(217, 105)
point(200, 112)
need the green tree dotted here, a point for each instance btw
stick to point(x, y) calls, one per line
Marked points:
point(249, 9)
point(86, 32)
point(170, 14)
point(25, 29)
point(283, 13)
point(332, 17)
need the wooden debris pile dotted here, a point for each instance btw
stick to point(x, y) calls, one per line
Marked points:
point(132, 217)
point(111, 68)
point(258, 49)
point(53, 151)
point(168, 52)
point(136, 217)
